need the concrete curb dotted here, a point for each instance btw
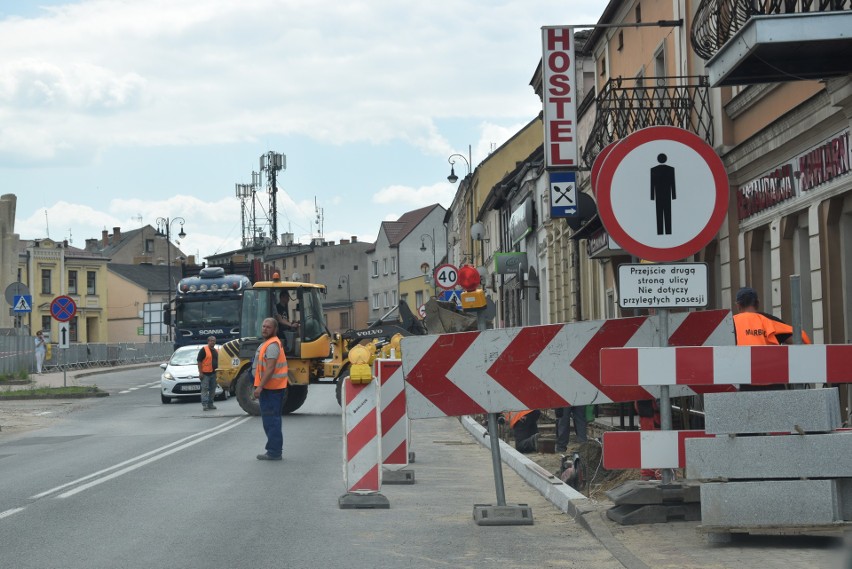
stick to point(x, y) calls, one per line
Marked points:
point(585, 511)
point(557, 492)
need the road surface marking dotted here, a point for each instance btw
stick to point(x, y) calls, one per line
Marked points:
point(200, 436)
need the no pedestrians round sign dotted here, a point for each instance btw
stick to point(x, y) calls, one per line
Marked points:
point(662, 193)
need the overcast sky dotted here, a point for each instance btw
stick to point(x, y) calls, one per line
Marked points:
point(118, 112)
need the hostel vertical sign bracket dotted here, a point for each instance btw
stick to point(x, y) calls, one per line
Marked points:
point(559, 86)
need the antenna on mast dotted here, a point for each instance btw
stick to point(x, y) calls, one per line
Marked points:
point(46, 224)
point(319, 218)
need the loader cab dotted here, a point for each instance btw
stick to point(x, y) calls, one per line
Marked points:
point(304, 304)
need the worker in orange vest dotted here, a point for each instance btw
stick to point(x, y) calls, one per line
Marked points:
point(524, 425)
point(270, 387)
point(755, 328)
point(208, 361)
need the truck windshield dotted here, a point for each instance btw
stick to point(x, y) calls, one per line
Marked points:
point(205, 313)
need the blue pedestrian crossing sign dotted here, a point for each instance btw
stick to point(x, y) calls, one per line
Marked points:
point(451, 296)
point(22, 303)
point(563, 194)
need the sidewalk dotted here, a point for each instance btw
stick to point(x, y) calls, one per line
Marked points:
point(673, 545)
point(75, 377)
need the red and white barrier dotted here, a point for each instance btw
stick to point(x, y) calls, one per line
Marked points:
point(540, 367)
point(361, 443)
point(646, 449)
point(396, 429)
point(727, 365)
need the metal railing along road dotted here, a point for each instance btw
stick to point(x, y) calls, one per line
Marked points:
point(17, 355)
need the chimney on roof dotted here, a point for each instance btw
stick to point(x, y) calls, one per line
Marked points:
point(116, 234)
point(104, 238)
point(91, 244)
point(344, 241)
point(354, 238)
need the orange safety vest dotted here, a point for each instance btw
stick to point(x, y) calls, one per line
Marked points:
point(281, 372)
point(207, 363)
point(515, 417)
point(755, 329)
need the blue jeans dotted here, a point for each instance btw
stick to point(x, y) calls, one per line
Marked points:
point(271, 401)
point(208, 388)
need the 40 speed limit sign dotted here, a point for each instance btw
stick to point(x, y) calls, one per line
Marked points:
point(446, 276)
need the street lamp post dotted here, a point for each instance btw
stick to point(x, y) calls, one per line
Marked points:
point(165, 224)
point(434, 259)
point(340, 282)
point(452, 178)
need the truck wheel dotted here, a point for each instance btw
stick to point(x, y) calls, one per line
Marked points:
point(296, 395)
point(245, 393)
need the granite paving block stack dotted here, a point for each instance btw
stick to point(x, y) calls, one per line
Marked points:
point(777, 461)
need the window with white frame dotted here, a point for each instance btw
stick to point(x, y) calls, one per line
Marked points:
point(385, 265)
point(72, 282)
point(393, 265)
point(46, 281)
point(375, 300)
point(375, 268)
point(386, 299)
point(90, 282)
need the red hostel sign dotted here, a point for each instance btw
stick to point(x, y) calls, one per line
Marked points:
point(559, 97)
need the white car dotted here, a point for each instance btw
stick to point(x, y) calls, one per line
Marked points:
point(180, 376)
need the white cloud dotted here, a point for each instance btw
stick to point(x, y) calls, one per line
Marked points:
point(94, 87)
point(441, 192)
point(218, 71)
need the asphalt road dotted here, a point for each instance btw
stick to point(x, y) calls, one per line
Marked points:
point(126, 481)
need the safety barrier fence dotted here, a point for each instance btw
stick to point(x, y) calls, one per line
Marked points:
point(17, 355)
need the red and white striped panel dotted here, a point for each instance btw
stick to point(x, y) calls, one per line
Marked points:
point(394, 420)
point(361, 442)
point(727, 365)
point(540, 367)
point(646, 449)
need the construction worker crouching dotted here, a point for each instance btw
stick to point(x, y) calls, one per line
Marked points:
point(524, 426)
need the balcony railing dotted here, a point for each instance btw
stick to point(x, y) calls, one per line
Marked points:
point(716, 21)
point(627, 105)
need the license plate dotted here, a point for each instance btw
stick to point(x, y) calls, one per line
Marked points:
point(191, 388)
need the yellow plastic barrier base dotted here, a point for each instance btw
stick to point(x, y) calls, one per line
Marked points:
point(360, 374)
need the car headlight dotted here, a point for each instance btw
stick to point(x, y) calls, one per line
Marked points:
point(168, 376)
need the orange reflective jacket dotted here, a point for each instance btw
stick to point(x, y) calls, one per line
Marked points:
point(207, 363)
point(280, 373)
point(756, 329)
point(515, 417)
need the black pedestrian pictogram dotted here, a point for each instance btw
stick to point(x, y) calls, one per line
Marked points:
point(663, 192)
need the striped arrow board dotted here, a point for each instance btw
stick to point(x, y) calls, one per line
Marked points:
point(540, 367)
point(727, 365)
